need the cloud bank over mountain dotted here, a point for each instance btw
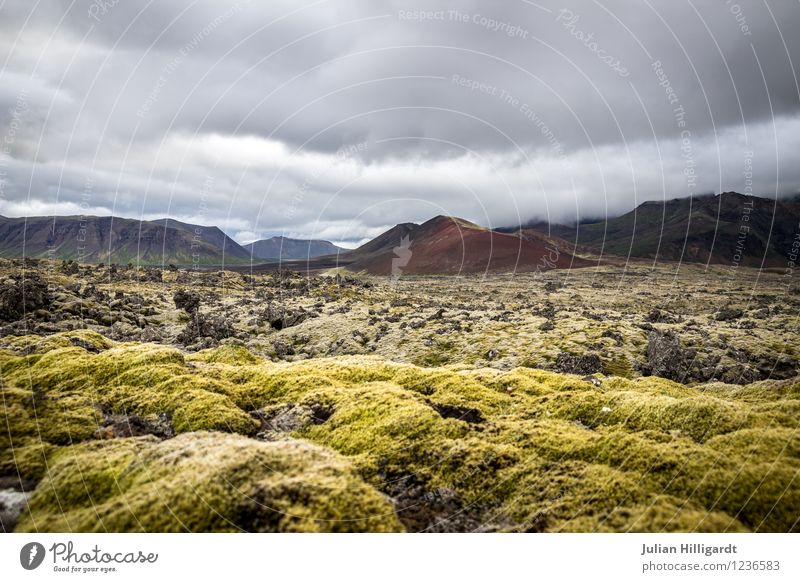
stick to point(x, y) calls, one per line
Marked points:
point(337, 119)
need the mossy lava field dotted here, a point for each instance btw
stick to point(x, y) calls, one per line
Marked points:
point(614, 398)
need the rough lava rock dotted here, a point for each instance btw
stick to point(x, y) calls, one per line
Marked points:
point(189, 301)
point(578, 364)
point(123, 426)
point(665, 356)
point(204, 331)
point(22, 295)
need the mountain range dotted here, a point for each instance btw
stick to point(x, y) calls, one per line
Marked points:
point(108, 239)
point(727, 228)
point(283, 248)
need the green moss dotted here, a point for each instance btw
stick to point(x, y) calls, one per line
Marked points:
point(522, 449)
point(442, 353)
point(661, 514)
point(24, 458)
point(433, 358)
point(61, 395)
point(759, 443)
point(699, 417)
point(227, 354)
point(41, 344)
point(618, 366)
point(204, 482)
point(195, 402)
point(779, 391)
point(585, 497)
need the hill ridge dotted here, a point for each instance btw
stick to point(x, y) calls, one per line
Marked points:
point(113, 239)
point(725, 228)
point(283, 248)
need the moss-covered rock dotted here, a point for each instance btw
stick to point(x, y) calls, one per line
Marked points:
point(517, 450)
point(60, 394)
point(204, 482)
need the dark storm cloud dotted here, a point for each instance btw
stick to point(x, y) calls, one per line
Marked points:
point(338, 118)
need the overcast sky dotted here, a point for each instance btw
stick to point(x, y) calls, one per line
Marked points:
point(337, 119)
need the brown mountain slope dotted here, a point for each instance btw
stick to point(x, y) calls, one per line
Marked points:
point(450, 246)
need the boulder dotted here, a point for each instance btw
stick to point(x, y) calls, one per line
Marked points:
point(578, 364)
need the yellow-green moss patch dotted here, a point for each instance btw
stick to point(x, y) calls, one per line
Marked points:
point(517, 450)
point(204, 482)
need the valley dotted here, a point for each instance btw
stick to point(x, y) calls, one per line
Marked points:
point(620, 397)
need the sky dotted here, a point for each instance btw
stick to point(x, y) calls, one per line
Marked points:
point(336, 119)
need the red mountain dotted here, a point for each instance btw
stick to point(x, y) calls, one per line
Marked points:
point(450, 246)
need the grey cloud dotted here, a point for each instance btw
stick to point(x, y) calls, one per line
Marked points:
point(519, 97)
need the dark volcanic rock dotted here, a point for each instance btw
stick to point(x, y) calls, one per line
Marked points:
point(657, 315)
point(728, 314)
point(282, 348)
point(665, 356)
point(548, 310)
point(123, 426)
point(280, 317)
point(23, 295)
point(740, 374)
point(547, 325)
point(581, 365)
point(551, 287)
point(189, 301)
point(422, 510)
point(207, 330)
point(88, 346)
point(291, 417)
point(781, 367)
point(614, 335)
point(467, 414)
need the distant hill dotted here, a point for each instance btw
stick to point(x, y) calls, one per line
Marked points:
point(727, 228)
point(279, 247)
point(107, 239)
point(448, 245)
point(383, 244)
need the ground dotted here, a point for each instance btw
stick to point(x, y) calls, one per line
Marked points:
point(619, 398)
